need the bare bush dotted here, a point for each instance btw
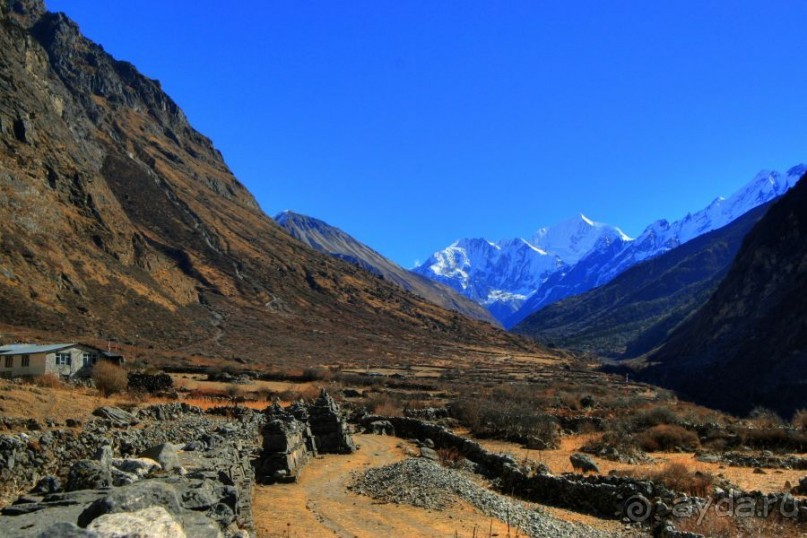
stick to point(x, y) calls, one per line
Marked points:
point(666, 437)
point(109, 378)
point(48, 380)
point(384, 404)
point(800, 419)
point(762, 417)
point(654, 416)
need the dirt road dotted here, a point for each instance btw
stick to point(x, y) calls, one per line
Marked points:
point(320, 504)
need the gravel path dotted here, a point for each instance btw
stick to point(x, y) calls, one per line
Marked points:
point(423, 483)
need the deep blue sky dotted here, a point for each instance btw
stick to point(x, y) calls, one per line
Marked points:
point(410, 124)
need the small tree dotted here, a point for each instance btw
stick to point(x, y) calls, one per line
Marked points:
point(109, 378)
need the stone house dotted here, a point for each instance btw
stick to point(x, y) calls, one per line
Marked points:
point(68, 361)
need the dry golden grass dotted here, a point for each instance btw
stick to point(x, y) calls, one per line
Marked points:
point(19, 400)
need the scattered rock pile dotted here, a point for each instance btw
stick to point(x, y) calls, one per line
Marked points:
point(423, 483)
point(181, 470)
point(603, 496)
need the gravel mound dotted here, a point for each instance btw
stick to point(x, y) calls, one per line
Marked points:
point(425, 484)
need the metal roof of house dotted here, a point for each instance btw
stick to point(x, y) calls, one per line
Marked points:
point(30, 349)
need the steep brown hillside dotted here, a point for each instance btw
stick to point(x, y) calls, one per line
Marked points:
point(323, 237)
point(119, 220)
point(747, 346)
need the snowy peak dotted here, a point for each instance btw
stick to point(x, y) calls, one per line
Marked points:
point(764, 187)
point(572, 239)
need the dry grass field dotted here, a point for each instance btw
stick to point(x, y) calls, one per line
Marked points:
point(505, 404)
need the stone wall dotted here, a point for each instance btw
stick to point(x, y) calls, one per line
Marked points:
point(291, 437)
point(603, 496)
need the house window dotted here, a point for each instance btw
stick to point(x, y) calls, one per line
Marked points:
point(9, 361)
point(26, 361)
point(63, 359)
point(88, 359)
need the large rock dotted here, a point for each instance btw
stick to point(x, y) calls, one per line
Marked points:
point(140, 467)
point(46, 485)
point(116, 415)
point(133, 498)
point(584, 463)
point(88, 474)
point(164, 454)
point(152, 522)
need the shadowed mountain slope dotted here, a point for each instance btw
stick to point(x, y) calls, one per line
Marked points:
point(120, 221)
point(748, 345)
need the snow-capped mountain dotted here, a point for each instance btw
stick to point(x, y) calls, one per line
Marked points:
point(573, 238)
point(502, 275)
point(499, 276)
point(517, 277)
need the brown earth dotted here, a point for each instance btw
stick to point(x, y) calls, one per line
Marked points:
point(320, 504)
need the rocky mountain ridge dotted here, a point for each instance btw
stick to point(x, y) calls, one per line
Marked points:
point(323, 237)
point(634, 312)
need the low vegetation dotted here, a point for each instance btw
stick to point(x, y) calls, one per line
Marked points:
point(109, 378)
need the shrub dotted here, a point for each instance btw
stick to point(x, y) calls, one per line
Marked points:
point(500, 418)
point(665, 437)
point(109, 378)
point(800, 419)
point(48, 380)
point(677, 477)
point(450, 457)
point(653, 417)
point(762, 417)
point(384, 404)
point(318, 373)
point(774, 439)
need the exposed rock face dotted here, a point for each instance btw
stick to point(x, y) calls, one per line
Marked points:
point(121, 221)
